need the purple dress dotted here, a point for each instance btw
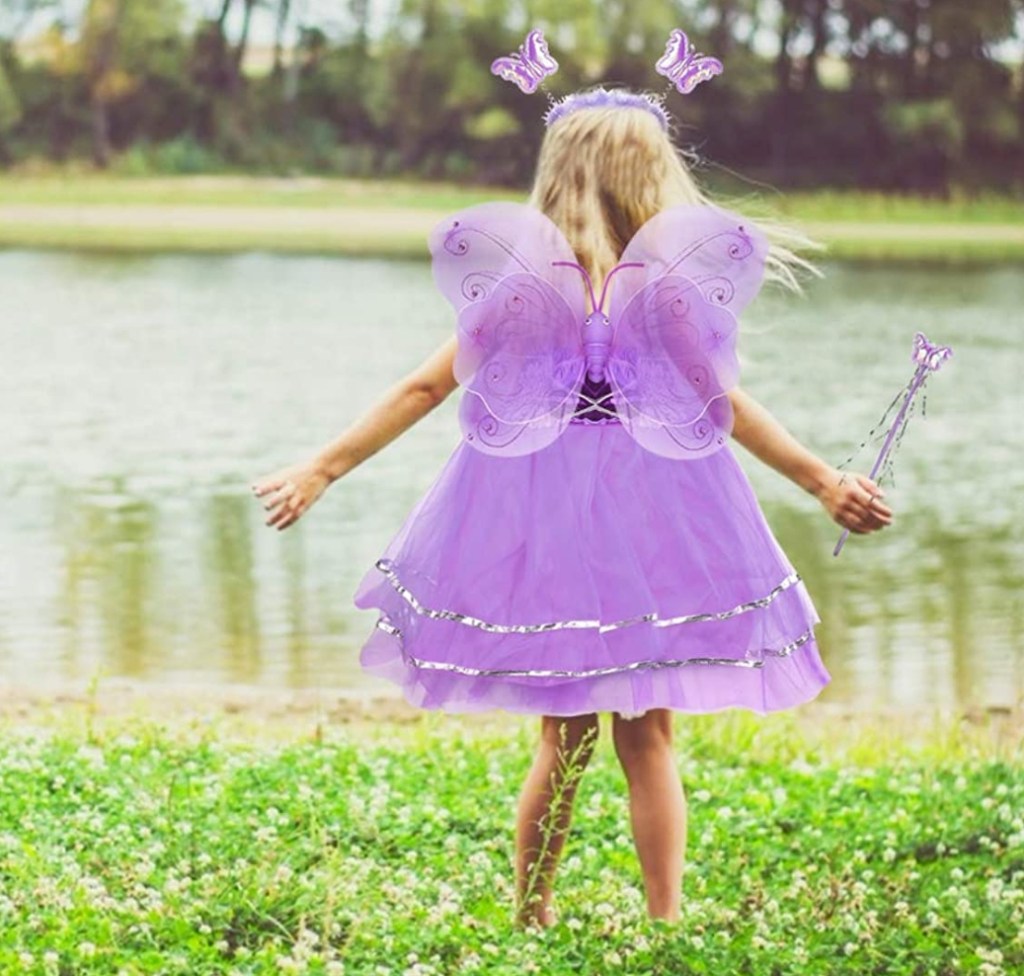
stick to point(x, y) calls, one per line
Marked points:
point(592, 543)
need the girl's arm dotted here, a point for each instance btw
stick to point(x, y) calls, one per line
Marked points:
point(291, 490)
point(851, 499)
point(409, 400)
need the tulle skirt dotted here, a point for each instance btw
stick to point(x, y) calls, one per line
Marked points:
point(590, 576)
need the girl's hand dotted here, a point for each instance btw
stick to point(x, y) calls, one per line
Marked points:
point(854, 502)
point(292, 490)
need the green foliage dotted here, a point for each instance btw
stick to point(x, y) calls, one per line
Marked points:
point(140, 850)
point(181, 156)
point(909, 96)
point(492, 123)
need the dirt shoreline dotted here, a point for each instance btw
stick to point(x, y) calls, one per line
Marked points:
point(256, 713)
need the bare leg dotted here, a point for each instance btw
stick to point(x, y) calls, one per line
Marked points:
point(657, 806)
point(545, 810)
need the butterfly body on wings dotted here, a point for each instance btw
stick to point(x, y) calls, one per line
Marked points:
point(597, 340)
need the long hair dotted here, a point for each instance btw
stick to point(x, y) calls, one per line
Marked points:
point(603, 171)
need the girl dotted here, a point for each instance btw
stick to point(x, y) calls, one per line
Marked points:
point(593, 528)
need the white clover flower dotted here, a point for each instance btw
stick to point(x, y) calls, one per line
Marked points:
point(850, 948)
point(702, 796)
point(888, 855)
point(86, 949)
point(957, 874)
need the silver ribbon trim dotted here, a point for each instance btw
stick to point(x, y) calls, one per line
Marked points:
point(385, 566)
point(745, 662)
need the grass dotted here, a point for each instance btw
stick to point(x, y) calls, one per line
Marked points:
point(315, 215)
point(133, 847)
point(248, 191)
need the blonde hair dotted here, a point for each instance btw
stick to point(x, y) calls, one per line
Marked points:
point(602, 172)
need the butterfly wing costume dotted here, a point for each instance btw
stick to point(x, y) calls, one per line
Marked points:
point(592, 543)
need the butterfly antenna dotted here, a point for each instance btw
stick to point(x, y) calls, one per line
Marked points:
point(582, 271)
point(618, 267)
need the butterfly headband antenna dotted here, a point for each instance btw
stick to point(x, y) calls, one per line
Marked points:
point(681, 64)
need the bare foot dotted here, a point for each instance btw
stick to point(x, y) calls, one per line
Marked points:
point(543, 916)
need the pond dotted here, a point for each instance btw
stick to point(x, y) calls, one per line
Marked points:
point(143, 395)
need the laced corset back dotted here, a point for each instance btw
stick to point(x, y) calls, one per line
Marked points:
point(595, 405)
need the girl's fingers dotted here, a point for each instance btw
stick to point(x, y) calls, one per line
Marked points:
point(262, 488)
point(289, 511)
point(291, 491)
point(874, 495)
point(275, 501)
point(872, 488)
point(283, 506)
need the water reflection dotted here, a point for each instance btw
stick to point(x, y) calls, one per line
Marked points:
point(143, 395)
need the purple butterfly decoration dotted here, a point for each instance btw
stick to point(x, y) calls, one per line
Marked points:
point(929, 358)
point(656, 351)
point(528, 66)
point(683, 65)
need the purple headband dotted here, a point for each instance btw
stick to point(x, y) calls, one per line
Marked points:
point(681, 63)
point(607, 98)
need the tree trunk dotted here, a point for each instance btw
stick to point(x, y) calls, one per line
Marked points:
point(100, 121)
point(783, 99)
point(105, 21)
point(284, 8)
point(243, 40)
point(811, 78)
point(721, 40)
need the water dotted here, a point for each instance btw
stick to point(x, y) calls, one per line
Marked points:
point(142, 396)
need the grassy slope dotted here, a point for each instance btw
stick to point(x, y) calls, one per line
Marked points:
point(118, 213)
point(850, 849)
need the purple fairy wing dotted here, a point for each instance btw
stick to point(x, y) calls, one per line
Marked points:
point(472, 250)
point(673, 358)
point(520, 356)
point(673, 348)
point(718, 250)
